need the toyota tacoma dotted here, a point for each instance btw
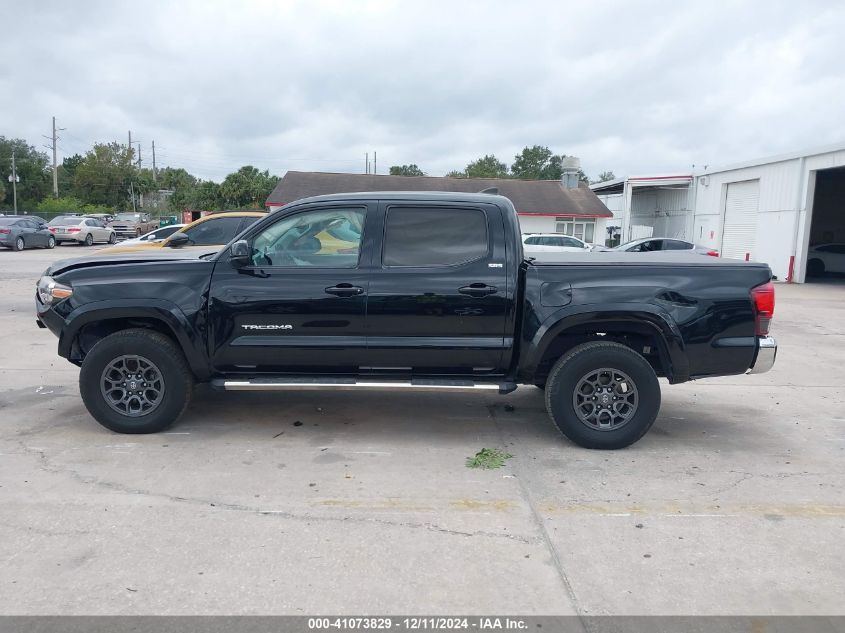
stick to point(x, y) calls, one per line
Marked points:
point(404, 291)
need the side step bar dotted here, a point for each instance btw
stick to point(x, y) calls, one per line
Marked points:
point(318, 384)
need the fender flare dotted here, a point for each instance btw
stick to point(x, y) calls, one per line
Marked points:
point(671, 342)
point(161, 310)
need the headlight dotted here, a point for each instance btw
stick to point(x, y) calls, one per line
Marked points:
point(50, 290)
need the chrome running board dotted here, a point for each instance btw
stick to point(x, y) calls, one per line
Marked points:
point(317, 384)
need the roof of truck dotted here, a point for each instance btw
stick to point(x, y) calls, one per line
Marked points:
point(444, 196)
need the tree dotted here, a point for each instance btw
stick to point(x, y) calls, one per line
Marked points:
point(205, 196)
point(540, 163)
point(536, 163)
point(247, 188)
point(31, 167)
point(105, 175)
point(57, 206)
point(175, 179)
point(605, 176)
point(406, 170)
point(487, 167)
point(67, 174)
point(456, 174)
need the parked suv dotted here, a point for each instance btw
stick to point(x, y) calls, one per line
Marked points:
point(132, 224)
point(87, 231)
point(553, 242)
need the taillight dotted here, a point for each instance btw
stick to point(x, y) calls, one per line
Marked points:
point(713, 253)
point(74, 230)
point(5, 231)
point(763, 297)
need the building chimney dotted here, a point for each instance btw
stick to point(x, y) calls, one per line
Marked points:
point(571, 165)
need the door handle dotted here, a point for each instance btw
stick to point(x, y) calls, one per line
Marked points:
point(345, 290)
point(478, 290)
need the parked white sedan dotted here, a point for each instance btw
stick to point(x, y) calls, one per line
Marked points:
point(156, 235)
point(826, 258)
point(553, 242)
point(87, 231)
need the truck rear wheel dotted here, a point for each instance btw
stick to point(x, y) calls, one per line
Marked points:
point(135, 381)
point(603, 395)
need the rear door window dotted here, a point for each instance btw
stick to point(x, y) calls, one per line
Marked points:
point(424, 236)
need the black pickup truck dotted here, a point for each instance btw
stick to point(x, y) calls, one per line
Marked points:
point(404, 291)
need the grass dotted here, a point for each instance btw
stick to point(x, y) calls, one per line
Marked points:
point(488, 458)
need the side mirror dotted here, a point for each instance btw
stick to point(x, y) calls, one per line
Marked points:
point(177, 240)
point(240, 254)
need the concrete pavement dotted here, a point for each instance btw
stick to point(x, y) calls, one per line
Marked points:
point(732, 504)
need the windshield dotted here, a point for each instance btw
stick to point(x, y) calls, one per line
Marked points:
point(127, 216)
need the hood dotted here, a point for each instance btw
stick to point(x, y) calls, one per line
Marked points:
point(133, 247)
point(151, 256)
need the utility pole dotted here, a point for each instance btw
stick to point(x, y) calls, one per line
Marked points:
point(52, 146)
point(14, 180)
point(139, 156)
point(375, 162)
point(130, 147)
point(55, 164)
point(154, 162)
point(367, 163)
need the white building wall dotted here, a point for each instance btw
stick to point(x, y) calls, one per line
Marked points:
point(536, 224)
point(548, 224)
point(666, 211)
point(783, 220)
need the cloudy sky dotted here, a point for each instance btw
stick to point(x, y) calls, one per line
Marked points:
point(630, 87)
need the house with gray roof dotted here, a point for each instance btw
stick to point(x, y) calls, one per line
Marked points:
point(544, 206)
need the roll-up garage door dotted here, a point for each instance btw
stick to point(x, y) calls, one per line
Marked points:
point(739, 235)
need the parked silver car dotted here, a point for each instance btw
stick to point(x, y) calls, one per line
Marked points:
point(652, 244)
point(87, 231)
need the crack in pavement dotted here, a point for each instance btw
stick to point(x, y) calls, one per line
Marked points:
point(541, 527)
point(47, 466)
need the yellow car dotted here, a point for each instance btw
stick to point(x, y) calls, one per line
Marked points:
point(215, 229)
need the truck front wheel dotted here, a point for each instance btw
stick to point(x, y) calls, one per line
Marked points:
point(603, 395)
point(135, 381)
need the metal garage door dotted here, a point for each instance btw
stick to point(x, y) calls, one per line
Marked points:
point(739, 234)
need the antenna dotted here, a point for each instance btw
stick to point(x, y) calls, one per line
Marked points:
point(493, 191)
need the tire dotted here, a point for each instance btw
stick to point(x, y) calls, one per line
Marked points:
point(175, 381)
point(637, 387)
point(19, 244)
point(112, 238)
point(138, 232)
point(89, 239)
point(815, 268)
point(51, 242)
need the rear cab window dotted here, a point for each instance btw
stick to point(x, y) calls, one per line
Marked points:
point(422, 237)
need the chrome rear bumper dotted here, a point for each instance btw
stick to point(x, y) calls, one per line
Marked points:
point(767, 350)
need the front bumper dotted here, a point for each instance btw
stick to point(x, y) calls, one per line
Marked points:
point(767, 350)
